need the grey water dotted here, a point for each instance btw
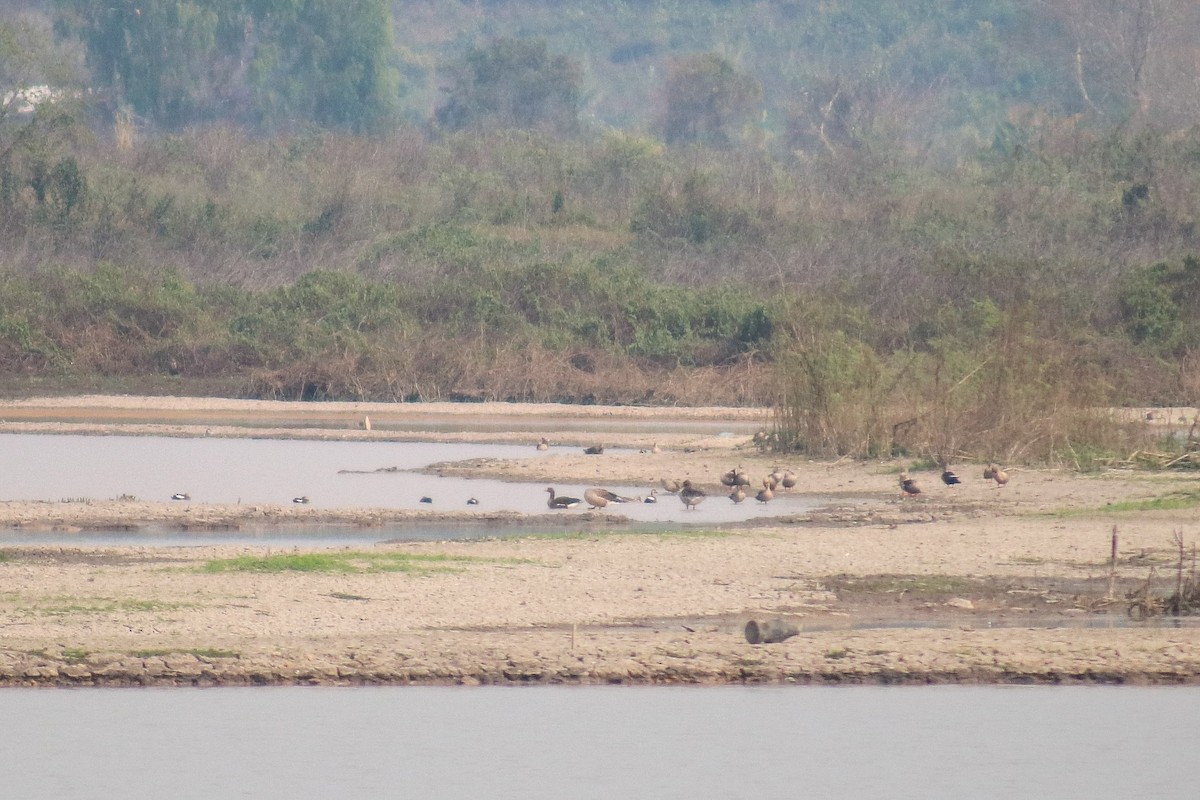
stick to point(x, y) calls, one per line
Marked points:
point(331, 474)
point(984, 743)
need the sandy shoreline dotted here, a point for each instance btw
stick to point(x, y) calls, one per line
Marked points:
point(971, 585)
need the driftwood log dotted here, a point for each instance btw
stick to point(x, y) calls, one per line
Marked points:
point(769, 631)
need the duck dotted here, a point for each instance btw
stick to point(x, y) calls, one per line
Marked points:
point(908, 486)
point(989, 472)
point(599, 498)
point(426, 499)
point(948, 477)
point(181, 496)
point(652, 497)
point(789, 479)
point(560, 501)
point(1000, 477)
point(738, 494)
point(471, 501)
point(690, 495)
point(671, 486)
point(543, 444)
point(594, 450)
point(301, 500)
point(767, 493)
point(730, 478)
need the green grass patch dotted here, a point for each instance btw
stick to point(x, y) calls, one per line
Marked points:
point(906, 584)
point(74, 655)
point(1172, 501)
point(412, 563)
point(100, 605)
point(199, 652)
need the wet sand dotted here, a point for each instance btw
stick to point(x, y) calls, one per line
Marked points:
point(967, 584)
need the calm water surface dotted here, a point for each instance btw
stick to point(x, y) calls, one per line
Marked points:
point(330, 474)
point(1089, 743)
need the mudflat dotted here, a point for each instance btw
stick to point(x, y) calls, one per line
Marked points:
point(972, 583)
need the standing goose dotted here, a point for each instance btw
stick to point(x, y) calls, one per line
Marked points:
point(561, 501)
point(671, 486)
point(730, 478)
point(765, 494)
point(543, 444)
point(789, 479)
point(599, 498)
point(989, 472)
point(738, 494)
point(908, 486)
point(690, 495)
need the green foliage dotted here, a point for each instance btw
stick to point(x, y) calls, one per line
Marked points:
point(709, 100)
point(513, 83)
point(345, 562)
point(1160, 305)
point(268, 63)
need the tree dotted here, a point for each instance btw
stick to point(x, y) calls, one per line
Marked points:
point(513, 83)
point(708, 100)
point(268, 63)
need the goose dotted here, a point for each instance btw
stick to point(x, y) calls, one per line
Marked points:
point(989, 472)
point(561, 501)
point(656, 449)
point(738, 494)
point(301, 500)
point(671, 486)
point(730, 478)
point(652, 497)
point(599, 498)
point(543, 444)
point(743, 478)
point(181, 496)
point(789, 479)
point(690, 495)
point(767, 493)
point(908, 486)
point(594, 450)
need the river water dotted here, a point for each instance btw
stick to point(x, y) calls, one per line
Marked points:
point(1089, 743)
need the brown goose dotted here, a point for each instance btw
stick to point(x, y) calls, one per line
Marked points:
point(908, 486)
point(543, 444)
point(789, 479)
point(560, 501)
point(738, 494)
point(765, 494)
point(730, 478)
point(599, 498)
point(594, 450)
point(671, 486)
point(989, 472)
point(690, 495)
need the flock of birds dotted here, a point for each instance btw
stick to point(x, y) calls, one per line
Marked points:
point(736, 479)
point(909, 487)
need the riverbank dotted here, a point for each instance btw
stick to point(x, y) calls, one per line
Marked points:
point(970, 584)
